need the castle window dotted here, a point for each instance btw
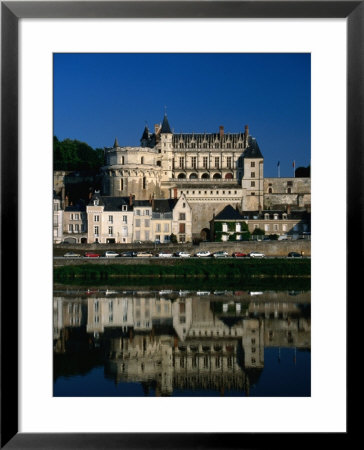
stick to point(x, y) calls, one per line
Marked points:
point(253, 193)
point(240, 145)
point(182, 216)
point(205, 145)
point(181, 162)
point(289, 190)
point(96, 218)
point(110, 230)
point(266, 216)
point(159, 163)
point(121, 184)
point(252, 175)
point(275, 227)
point(216, 145)
point(111, 218)
point(194, 162)
point(224, 227)
point(137, 223)
point(228, 162)
point(70, 228)
point(144, 182)
point(266, 227)
point(252, 164)
point(270, 190)
point(204, 162)
point(122, 160)
point(142, 160)
point(96, 231)
point(217, 162)
point(252, 183)
point(284, 216)
point(228, 145)
point(124, 208)
point(125, 219)
point(275, 216)
point(289, 183)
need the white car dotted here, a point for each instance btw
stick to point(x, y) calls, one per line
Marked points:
point(203, 254)
point(110, 254)
point(256, 255)
point(183, 254)
point(164, 255)
point(220, 254)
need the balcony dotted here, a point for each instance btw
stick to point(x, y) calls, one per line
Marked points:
point(212, 181)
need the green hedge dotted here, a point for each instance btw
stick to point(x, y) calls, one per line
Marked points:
point(211, 268)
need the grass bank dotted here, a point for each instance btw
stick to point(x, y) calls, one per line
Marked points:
point(189, 269)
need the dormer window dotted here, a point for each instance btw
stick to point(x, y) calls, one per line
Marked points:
point(96, 202)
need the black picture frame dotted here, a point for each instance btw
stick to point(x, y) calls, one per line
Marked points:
point(11, 12)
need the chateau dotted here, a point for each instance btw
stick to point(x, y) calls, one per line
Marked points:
point(212, 170)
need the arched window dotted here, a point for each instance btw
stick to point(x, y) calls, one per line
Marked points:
point(181, 176)
point(270, 190)
point(142, 160)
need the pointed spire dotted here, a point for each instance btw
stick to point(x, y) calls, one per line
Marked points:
point(116, 143)
point(165, 125)
point(145, 133)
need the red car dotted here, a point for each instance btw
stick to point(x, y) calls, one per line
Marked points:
point(92, 255)
point(239, 255)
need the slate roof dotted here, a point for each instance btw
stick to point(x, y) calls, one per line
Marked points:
point(164, 205)
point(111, 203)
point(165, 125)
point(229, 213)
point(293, 215)
point(253, 150)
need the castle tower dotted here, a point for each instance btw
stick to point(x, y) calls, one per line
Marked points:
point(253, 177)
point(166, 149)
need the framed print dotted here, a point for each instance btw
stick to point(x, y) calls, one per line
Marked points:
point(168, 44)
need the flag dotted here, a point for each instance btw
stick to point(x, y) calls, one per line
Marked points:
point(278, 164)
point(294, 164)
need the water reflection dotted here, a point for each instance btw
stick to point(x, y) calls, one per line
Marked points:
point(179, 342)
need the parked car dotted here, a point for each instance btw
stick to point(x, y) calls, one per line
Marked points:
point(128, 254)
point(71, 255)
point(256, 255)
point(203, 253)
point(92, 255)
point(144, 254)
point(294, 255)
point(110, 254)
point(182, 254)
point(283, 238)
point(220, 254)
point(239, 255)
point(164, 255)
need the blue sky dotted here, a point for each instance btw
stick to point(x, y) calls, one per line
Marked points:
point(98, 97)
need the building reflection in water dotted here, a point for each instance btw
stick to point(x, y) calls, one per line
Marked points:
point(180, 340)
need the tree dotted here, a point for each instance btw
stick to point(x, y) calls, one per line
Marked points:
point(76, 155)
point(173, 238)
point(258, 232)
point(303, 172)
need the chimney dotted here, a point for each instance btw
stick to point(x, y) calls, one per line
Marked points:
point(66, 201)
point(221, 128)
point(130, 200)
point(246, 135)
point(175, 193)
